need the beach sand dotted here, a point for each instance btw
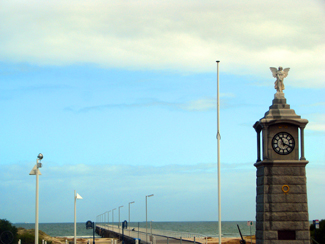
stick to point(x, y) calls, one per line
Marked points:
point(62, 240)
point(228, 240)
point(231, 240)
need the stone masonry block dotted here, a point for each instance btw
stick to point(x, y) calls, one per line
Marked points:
point(259, 226)
point(260, 207)
point(282, 207)
point(260, 216)
point(292, 171)
point(270, 235)
point(260, 198)
point(277, 189)
point(280, 180)
point(306, 225)
point(286, 225)
point(285, 180)
point(302, 235)
point(282, 198)
point(262, 189)
point(294, 189)
point(282, 216)
point(260, 181)
point(260, 241)
point(260, 171)
point(259, 234)
point(302, 170)
point(263, 225)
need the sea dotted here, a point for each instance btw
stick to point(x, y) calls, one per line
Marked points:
point(205, 228)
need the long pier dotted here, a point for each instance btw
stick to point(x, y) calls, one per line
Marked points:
point(139, 235)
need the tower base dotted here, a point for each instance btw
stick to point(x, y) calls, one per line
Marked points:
point(281, 203)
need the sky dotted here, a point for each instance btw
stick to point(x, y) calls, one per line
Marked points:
point(120, 98)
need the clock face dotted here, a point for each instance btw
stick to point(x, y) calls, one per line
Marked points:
point(283, 143)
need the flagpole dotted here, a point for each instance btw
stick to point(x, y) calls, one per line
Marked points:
point(75, 217)
point(218, 151)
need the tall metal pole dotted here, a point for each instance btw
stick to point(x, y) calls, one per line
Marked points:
point(130, 210)
point(76, 196)
point(119, 221)
point(130, 214)
point(218, 151)
point(36, 210)
point(146, 219)
point(35, 171)
point(147, 216)
point(75, 218)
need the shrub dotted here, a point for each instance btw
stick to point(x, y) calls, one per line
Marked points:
point(318, 234)
point(27, 238)
point(5, 225)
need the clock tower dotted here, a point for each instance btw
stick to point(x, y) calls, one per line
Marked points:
point(281, 196)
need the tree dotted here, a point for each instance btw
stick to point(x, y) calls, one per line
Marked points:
point(8, 232)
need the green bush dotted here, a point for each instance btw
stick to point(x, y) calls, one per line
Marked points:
point(5, 225)
point(27, 238)
point(318, 234)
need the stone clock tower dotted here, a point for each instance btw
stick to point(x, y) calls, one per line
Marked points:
point(281, 197)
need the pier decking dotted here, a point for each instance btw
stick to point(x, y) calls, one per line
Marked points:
point(134, 235)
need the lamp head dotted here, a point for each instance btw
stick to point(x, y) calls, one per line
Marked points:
point(40, 156)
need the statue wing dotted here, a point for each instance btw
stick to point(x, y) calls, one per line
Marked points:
point(286, 71)
point(273, 70)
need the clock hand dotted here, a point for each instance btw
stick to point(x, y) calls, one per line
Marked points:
point(280, 144)
point(286, 142)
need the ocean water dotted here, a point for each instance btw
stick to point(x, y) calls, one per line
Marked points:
point(206, 228)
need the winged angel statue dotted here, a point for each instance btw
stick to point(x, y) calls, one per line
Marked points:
point(279, 74)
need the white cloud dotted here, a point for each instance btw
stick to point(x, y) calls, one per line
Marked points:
point(248, 37)
point(199, 105)
point(316, 122)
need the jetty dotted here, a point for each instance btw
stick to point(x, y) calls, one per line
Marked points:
point(138, 235)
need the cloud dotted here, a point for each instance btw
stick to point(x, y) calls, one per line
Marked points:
point(205, 104)
point(316, 122)
point(180, 187)
point(198, 105)
point(248, 37)
point(178, 190)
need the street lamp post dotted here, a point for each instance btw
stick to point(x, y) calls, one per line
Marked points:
point(113, 217)
point(119, 216)
point(76, 196)
point(35, 171)
point(130, 213)
point(147, 216)
point(129, 209)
